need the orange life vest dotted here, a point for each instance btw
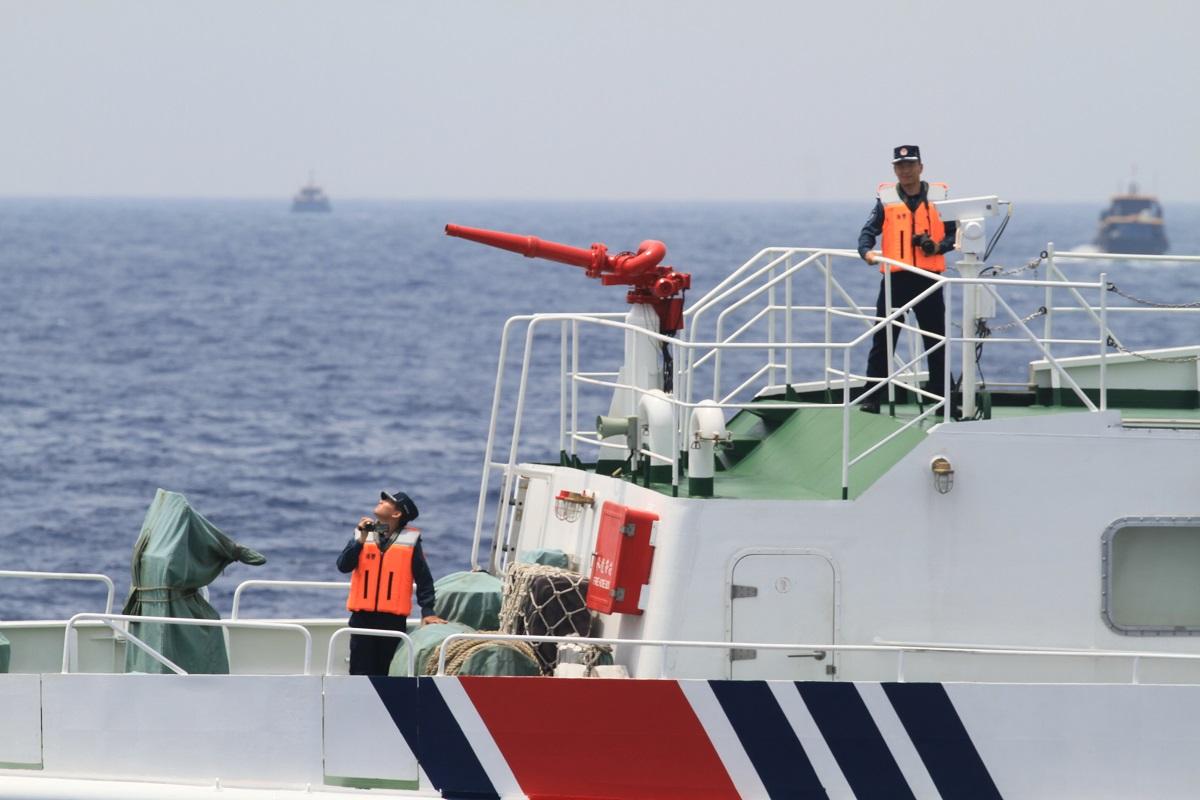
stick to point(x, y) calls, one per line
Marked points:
point(383, 581)
point(900, 225)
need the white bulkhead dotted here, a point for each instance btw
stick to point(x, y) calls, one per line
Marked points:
point(1010, 556)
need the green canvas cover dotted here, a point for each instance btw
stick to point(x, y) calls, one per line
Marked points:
point(472, 598)
point(178, 553)
point(546, 556)
point(426, 639)
point(494, 659)
point(5, 653)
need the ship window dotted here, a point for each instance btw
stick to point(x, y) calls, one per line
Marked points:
point(1152, 576)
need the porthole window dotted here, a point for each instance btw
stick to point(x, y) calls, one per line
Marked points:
point(1151, 576)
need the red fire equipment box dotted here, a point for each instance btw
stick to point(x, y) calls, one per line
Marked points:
point(621, 563)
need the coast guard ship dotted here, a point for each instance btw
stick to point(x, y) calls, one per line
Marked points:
point(798, 599)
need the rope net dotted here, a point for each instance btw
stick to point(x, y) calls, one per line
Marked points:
point(541, 600)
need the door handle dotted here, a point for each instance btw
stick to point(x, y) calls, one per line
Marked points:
point(816, 655)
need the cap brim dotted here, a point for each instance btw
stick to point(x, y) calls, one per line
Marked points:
point(389, 498)
point(905, 158)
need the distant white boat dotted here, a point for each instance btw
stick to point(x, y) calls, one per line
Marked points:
point(311, 197)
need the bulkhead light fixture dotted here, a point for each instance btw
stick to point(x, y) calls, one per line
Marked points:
point(943, 474)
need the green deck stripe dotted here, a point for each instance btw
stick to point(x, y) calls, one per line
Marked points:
point(369, 783)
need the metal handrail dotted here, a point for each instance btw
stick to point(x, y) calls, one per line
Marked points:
point(775, 266)
point(274, 584)
point(69, 640)
point(67, 576)
point(341, 632)
point(491, 436)
point(1122, 257)
point(899, 649)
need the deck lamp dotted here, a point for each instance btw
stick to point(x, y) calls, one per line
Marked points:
point(943, 474)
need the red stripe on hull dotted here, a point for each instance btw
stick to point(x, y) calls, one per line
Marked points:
point(595, 738)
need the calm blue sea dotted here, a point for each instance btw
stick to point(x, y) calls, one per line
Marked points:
point(281, 369)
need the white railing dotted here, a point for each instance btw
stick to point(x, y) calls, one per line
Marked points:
point(67, 576)
point(819, 649)
point(274, 584)
point(69, 640)
point(341, 633)
point(748, 299)
point(1052, 257)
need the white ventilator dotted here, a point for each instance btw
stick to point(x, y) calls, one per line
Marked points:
point(655, 424)
point(707, 429)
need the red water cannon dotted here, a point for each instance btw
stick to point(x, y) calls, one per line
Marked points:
point(659, 286)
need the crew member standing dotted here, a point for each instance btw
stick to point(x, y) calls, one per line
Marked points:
point(386, 560)
point(913, 233)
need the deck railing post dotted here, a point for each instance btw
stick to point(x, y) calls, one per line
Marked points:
point(562, 387)
point(1048, 323)
point(1103, 341)
point(947, 400)
point(771, 327)
point(829, 323)
point(891, 344)
point(787, 320)
point(574, 383)
point(846, 423)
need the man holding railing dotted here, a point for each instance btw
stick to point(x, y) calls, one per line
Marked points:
point(386, 560)
point(913, 233)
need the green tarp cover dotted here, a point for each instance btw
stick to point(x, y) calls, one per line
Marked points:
point(426, 639)
point(5, 653)
point(546, 556)
point(495, 659)
point(472, 598)
point(178, 553)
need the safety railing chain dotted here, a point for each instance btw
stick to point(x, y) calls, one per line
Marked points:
point(1161, 359)
point(1112, 287)
point(1032, 264)
point(1040, 311)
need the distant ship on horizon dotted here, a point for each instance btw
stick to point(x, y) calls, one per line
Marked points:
point(311, 197)
point(1132, 223)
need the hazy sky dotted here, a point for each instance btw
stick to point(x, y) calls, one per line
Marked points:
point(1040, 100)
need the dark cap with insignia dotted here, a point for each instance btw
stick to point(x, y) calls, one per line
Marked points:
point(403, 503)
point(906, 152)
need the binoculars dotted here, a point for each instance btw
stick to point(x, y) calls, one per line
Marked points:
point(924, 243)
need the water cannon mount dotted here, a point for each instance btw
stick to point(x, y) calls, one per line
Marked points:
point(651, 283)
point(970, 213)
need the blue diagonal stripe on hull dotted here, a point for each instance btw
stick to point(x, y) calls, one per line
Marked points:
point(768, 739)
point(445, 754)
point(855, 741)
point(942, 741)
point(399, 696)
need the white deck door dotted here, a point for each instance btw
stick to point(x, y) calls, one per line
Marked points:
point(785, 598)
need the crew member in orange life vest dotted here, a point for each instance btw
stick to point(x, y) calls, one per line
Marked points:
point(386, 560)
point(913, 233)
